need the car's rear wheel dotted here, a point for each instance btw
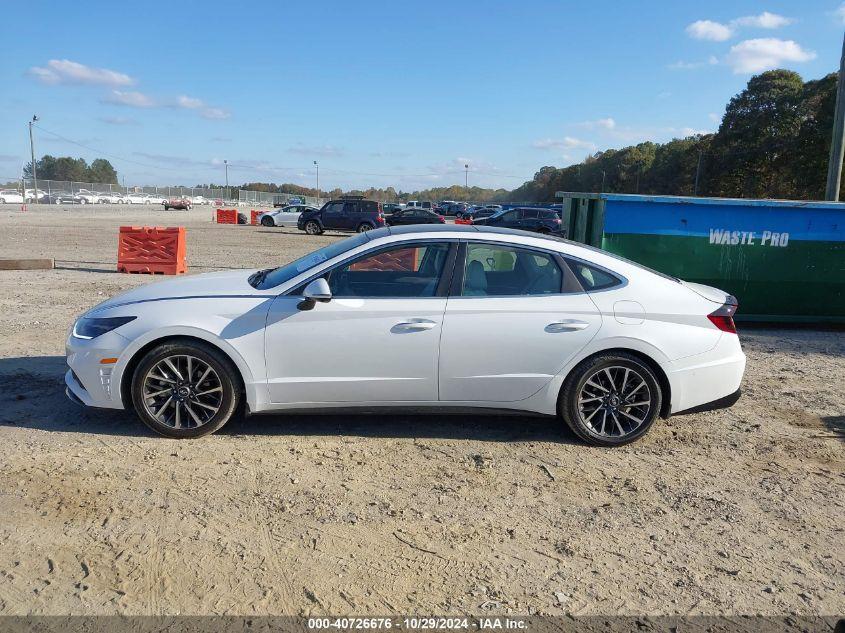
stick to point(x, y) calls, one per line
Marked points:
point(2, 200)
point(312, 228)
point(611, 399)
point(185, 389)
point(364, 226)
point(265, 221)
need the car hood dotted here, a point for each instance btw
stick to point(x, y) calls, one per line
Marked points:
point(229, 283)
point(710, 293)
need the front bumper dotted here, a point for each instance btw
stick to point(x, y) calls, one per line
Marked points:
point(89, 380)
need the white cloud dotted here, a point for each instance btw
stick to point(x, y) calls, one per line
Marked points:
point(681, 65)
point(765, 20)
point(716, 118)
point(316, 150)
point(709, 30)
point(118, 120)
point(189, 102)
point(839, 13)
point(131, 99)
point(567, 142)
point(606, 124)
point(753, 56)
point(64, 71)
point(215, 113)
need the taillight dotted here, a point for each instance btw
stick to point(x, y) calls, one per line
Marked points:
point(441, 219)
point(723, 318)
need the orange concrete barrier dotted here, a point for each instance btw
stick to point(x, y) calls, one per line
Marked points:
point(253, 216)
point(227, 216)
point(154, 250)
point(459, 221)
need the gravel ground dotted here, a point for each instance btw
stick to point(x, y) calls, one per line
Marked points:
point(730, 512)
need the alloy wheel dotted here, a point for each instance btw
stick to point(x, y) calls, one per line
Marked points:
point(182, 392)
point(615, 401)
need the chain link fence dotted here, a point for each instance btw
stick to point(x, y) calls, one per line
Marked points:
point(67, 192)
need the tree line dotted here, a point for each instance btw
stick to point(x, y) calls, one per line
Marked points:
point(773, 142)
point(72, 169)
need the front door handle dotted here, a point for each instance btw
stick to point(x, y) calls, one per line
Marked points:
point(413, 325)
point(566, 325)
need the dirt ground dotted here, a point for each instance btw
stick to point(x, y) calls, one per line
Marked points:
point(732, 512)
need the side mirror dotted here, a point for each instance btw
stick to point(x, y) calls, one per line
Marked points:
point(317, 290)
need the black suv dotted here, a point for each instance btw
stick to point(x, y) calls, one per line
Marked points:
point(526, 219)
point(346, 214)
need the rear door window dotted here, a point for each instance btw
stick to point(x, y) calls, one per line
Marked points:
point(502, 271)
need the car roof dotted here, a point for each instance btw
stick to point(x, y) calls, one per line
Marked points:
point(469, 230)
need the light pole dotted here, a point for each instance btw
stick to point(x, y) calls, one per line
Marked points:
point(226, 167)
point(34, 171)
point(466, 180)
point(317, 167)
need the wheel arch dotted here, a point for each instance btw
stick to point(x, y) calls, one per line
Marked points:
point(651, 363)
point(138, 355)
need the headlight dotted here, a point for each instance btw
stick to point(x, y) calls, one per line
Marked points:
point(89, 328)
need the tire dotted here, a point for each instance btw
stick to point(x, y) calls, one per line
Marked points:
point(166, 208)
point(265, 221)
point(2, 200)
point(223, 375)
point(364, 227)
point(313, 228)
point(577, 411)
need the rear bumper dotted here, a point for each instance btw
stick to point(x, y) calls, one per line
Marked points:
point(705, 380)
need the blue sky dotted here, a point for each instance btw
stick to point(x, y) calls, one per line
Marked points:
point(383, 93)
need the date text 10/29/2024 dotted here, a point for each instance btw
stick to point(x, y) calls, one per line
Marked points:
point(418, 624)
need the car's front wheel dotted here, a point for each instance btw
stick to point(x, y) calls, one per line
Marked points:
point(611, 399)
point(312, 228)
point(265, 221)
point(185, 389)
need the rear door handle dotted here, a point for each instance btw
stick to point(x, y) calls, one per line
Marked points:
point(413, 325)
point(567, 325)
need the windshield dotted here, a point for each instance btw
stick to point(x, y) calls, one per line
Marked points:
point(273, 277)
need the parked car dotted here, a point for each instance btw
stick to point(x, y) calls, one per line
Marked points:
point(514, 321)
point(455, 208)
point(417, 204)
point(346, 214)
point(200, 200)
point(61, 197)
point(413, 216)
point(110, 197)
point(479, 213)
point(8, 196)
point(156, 198)
point(285, 200)
point(137, 198)
point(177, 203)
point(525, 219)
point(391, 207)
point(31, 195)
point(286, 216)
point(86, 196)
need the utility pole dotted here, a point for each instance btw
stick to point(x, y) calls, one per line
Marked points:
point(34, 171)
point(466, 180)
point(603, 174)
point(697, 172)
point(834, 167)
point(226, 167)
point(317, 167)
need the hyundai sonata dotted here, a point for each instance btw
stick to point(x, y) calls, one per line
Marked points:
point(431, 316)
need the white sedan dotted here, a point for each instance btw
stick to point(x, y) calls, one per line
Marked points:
point(10, 196)
point(421, 316)
point(286, 216)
